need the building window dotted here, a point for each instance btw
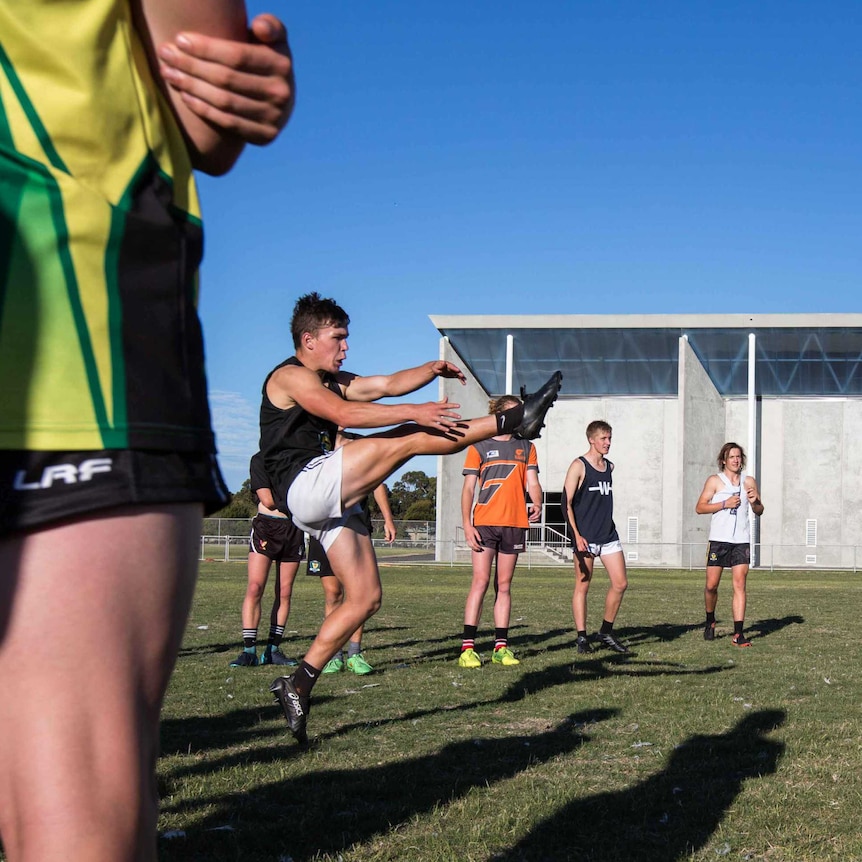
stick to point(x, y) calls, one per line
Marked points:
point(811, 533)
point(632, 531)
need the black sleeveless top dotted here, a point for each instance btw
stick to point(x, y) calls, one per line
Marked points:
point(593, 505)
point(290, 438)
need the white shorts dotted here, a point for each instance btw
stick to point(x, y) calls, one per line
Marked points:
point(314, 499)
point(615, 547)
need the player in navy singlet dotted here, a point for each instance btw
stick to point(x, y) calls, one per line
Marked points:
point(588, 506)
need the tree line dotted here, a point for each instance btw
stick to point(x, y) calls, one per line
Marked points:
point(412, 498)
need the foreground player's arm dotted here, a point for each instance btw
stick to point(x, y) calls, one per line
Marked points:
point(246, 88)
point(753, 496)
point(468, 492)
point(293, 384)
point(381, 497)
point(703, 505)
point(574, 477)
point(400, 383)
point(211, 149)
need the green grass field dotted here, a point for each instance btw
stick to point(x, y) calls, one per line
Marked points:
point(682, 750)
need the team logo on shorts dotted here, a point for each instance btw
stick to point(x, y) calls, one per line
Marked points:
point(713, 557)
point(314, 566)
point(263, 544)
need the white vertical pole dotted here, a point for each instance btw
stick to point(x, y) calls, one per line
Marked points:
point(751, 466)
point(510, 363)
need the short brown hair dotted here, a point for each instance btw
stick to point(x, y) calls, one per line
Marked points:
point(596, 426)
point(725, 451)
point(312, 312)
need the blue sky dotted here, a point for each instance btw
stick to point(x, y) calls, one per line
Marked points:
point(550, 157)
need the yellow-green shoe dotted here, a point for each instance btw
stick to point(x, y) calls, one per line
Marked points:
point(357, 664)
point(504, 656)
point(469, 658)
point(334, 665)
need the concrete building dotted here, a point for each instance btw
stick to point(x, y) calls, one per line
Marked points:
point(787, 387)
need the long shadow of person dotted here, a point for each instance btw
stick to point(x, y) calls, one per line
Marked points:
point(328, 811)
point(667, 817)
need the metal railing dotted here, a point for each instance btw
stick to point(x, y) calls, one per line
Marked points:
point(546, 547)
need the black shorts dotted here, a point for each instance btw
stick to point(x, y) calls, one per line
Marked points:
point(37, 488)
point(503, 540)
point(727, 554)
point(318, 562)
point(276, 538)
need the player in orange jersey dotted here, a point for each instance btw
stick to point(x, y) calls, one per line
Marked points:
point(503, 468)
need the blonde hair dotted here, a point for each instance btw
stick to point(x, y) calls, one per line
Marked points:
point(503, 403)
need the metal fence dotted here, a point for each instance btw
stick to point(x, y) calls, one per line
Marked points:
point(226, 539)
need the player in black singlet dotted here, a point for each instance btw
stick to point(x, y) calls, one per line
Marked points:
point(304, 401)
point(588, 506)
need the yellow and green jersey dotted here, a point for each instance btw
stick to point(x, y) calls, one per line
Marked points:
point(100, 240)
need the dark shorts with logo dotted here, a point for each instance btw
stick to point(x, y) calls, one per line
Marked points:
point(318, 563)
point(727, 554)
point(504, 540)
point(276, 538)
point(38, 488)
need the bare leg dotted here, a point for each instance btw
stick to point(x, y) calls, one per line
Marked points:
point(482, 564)
point(258, 572)
point(710, 592)
point(332, 594)
point(352, 558)
point(332, 598)
point(740, 577)
point(369, 460)
point(77, 763)
point(503, 587)
point(583, 576)
point(616, 568)
point(285, 577)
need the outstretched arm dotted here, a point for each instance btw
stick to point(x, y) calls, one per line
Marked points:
point(400, 383)
point(298, 385)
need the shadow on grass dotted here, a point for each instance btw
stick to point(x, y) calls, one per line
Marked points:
point(667, 817)
point(535, 681)
point(330, 810)
point(234, 647)
point(665, 632)
point(767, 627)
point(199, 735)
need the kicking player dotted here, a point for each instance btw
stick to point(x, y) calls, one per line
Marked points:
point(503, 468)
point(305, 400)
point(729, 535)
point(588, 506)
point(274, 538)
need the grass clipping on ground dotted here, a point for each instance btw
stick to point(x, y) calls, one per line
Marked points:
point(682, 749)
